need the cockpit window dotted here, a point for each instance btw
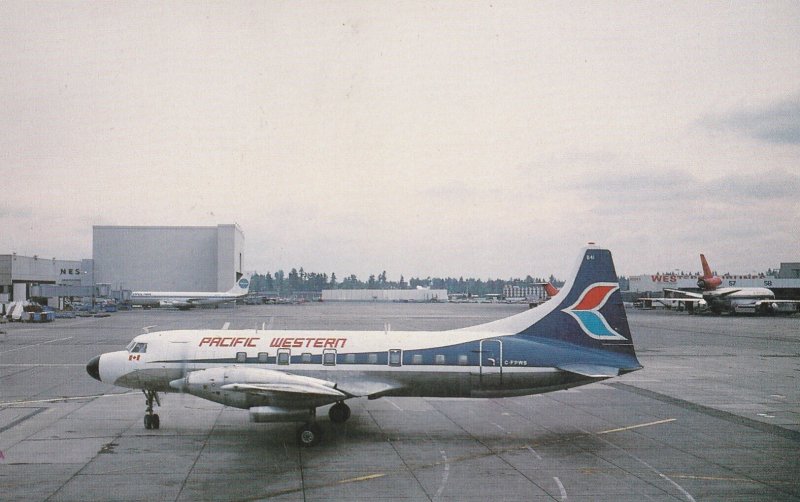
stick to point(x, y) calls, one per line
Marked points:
point(139, 348)
point(130, 346)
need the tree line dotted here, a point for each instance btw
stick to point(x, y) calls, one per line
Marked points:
point(301, 281)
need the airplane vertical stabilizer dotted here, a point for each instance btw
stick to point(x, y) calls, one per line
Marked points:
point(586, 313)
point(241, 287)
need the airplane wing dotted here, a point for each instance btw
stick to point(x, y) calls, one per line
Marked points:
point(687, 294)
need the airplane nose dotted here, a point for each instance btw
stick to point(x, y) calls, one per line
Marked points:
point(93, 368)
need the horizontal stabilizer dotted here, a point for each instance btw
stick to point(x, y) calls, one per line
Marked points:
point(591, 370)
point(283, 388)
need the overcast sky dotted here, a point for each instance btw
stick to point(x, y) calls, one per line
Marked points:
point(485, 139)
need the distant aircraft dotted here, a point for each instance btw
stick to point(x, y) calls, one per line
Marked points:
point(736, 300)
point(185, 300)
point(579, 337)
point(550, 289)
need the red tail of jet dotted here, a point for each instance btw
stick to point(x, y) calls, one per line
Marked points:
point(550, 289)
point(709, 281)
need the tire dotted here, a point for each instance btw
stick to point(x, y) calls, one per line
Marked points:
point(155, 422)
point(309, 435)
point(148, 422)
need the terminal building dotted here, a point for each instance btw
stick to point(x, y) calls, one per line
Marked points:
point(127, 258)
point(384, 295)
point(18, 275)
point(208, 258)
point(785, 282)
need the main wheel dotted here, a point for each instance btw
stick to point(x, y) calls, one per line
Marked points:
point(339, 412)
point(148, 422)
point(309, 434)
point(155, 422)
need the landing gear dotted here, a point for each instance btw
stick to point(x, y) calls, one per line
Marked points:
point(151, 420)
point(309, 434)
point(339, 412)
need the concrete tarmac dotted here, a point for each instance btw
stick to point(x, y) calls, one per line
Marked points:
point(715, 415)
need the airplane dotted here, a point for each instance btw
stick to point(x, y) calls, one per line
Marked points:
point(735, 300)
point(185, 300)
point(549, 291)
point(579, 337)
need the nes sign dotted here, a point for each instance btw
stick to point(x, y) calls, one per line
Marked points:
point(70, 271)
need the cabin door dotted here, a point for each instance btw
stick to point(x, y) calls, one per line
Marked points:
point(490, 370)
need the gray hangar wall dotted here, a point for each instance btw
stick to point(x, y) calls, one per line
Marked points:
point(168, 258)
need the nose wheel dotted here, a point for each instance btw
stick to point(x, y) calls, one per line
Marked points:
point(151, 420)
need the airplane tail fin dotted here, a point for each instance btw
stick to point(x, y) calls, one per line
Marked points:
point(241, 287)
point(585, 321)
point(706, 268)
point(708, 281)
point(550, 289)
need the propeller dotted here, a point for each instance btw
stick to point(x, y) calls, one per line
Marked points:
point(181, 384)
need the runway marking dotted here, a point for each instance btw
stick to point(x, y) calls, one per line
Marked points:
point(538, 457)
point(499, 427)
point(657, 422)
point(37, 344)
point(57, 399)
point(713, 478)
point(18, 421)
point(765, 415)
point(660, 474)
point(392, 403)
point(561, 488)
point(445, 475)
point(361, 478)
point(713, 412)
point(226, 325)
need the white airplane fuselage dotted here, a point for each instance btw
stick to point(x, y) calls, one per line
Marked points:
point(361, 363)
point(180, 298)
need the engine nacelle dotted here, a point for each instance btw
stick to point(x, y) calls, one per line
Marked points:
point(271, 414)
point(709, 283)
point(243, 387)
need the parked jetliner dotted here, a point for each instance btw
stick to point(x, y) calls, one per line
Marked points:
point(578, 337)
point(732, 299)
point(186, 300)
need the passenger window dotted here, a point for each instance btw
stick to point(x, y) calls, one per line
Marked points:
point(372, 358)
point(395, 357)
point(416, 359)
point(350, 358)
point(463, 360)
point(305, 357)
point(241, 357)
point(440, 359)
point(283, 356)
point(329, 357)
point(263, 357)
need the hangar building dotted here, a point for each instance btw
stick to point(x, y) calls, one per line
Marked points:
point(168, 258)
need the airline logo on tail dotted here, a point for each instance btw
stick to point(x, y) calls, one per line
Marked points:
point(587, 311)
point(243, 283)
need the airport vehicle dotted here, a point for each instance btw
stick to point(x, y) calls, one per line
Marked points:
point(186, 300)
point(578, 337)
point(736, 300)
